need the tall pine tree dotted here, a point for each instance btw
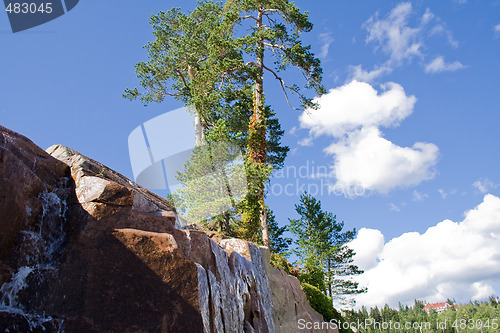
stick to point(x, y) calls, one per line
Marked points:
point(271, 30)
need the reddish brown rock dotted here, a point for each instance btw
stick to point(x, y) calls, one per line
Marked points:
point(83, 249)
point(97, 183)
point(290, 303)
point(26, 171)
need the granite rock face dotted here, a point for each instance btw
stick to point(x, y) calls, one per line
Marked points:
point(84, 249)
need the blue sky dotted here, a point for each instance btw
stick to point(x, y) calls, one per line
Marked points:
point(406, 138)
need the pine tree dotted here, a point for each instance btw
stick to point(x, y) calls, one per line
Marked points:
point(275, 26)
point(278, 243)
point(213, 181)
point(193, 59)
point(322, 251)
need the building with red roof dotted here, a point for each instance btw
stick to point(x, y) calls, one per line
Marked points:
point(438, 307)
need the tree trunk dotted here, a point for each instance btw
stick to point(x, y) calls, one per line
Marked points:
point(329, 279)
point(225, 223)
point(259, 155)
point(198, 127)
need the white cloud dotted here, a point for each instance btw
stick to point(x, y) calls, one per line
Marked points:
point(439, 65)
point(441, 30)
point(393, 35)
point(445, 194)
point(417, 196)
point(458, 260)
point(496, 29)
point(368, 244)
point(368, 160)
point(484, 185)
point(326, 39)
point(359, 74)
point(356, 105)
point(427, 17)
point(394, 208)
point(306, 142)
point(352, 114)
point(401, 40)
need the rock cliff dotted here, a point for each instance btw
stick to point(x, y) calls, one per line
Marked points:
point(84, 249)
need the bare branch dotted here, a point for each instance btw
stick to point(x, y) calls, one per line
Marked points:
point(270, 10)
point(283, 86)
point(182, 77)
point(273, 46)
point(169, 94)
point(247, 17)
point(222, 82)
point(271, 21)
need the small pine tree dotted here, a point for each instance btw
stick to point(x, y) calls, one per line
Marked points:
point(326, 260)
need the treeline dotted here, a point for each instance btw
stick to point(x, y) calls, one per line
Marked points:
point(472, 317)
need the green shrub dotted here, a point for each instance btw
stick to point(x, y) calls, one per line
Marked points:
point(314, 276)
point(322, 304)
point(278, 261)
point(319, 301)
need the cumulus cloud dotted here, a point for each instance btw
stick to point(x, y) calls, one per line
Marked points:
point(484, 185)
point(400, 39)
point(439, 65)
point(356, 105)
point(458, 260)
point(326, 40)
point(353, 115)
point(368, 244)
point(368, 160)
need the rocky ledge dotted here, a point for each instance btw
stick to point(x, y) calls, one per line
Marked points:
point(84, 249)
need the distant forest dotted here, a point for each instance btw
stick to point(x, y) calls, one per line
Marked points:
point(472, 317)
